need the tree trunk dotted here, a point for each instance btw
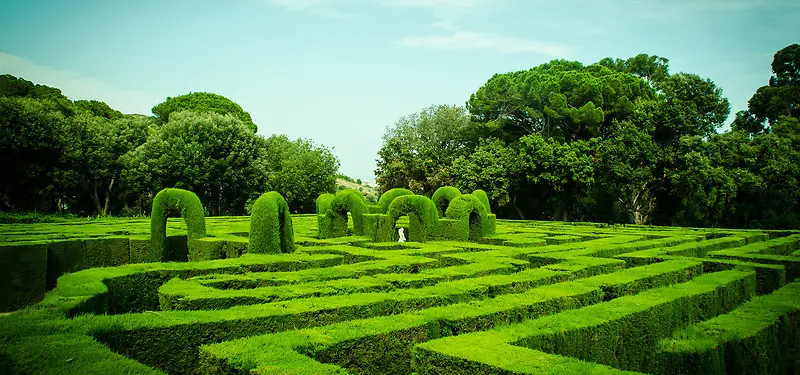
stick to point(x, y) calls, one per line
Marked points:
point(96, 199)
point(516, 208)
point(108, 197)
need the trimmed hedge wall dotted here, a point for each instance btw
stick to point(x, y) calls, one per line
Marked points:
point(271, 226)
point(191, 209)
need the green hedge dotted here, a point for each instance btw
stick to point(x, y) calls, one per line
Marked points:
point(165, 202)
point(271, 225)
point(442, 198)
point(23, 278)
point(353, 201)
point(324, 203)
point(389, 196)
point(481, 195)
point(421, 214)
point(751, 339)
point(470, 209)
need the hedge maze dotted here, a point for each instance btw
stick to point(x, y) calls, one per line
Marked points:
point(333, 293)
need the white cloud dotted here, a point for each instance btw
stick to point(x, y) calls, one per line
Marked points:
point(77, 86)
point(463, 40)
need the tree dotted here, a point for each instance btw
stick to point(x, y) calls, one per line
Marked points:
point(18, 87)
point(202, 102)
point(418, 151)
point(560, 99)
point(215, 156)
point(300, 171)
point(98, 108)
point(492, 167)
point(628, 159)
point(566, 169)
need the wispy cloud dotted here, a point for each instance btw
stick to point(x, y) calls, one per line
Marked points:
point(78, 86)
point(456, 39)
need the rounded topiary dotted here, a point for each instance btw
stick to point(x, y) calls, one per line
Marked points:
point(470, 208)
point(168, 201)
point(422, 215)
point(481, 195)
point(442, 197)
point(387, 198)
point(348, 200)
point(271, 225)
point(324, 203)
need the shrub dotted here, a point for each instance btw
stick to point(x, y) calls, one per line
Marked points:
point(324, 203)
point(469, 208)
point(166, 202)
point(387, 198)
point(483, 198)
point(271, 225)
point(421, 213)
point(442, 197)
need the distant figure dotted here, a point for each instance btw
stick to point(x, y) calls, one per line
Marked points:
point(402, 236)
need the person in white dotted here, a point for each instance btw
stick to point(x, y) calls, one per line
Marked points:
point(402, 236)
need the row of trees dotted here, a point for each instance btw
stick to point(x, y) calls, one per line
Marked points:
point(615, 141)
point(84, 157)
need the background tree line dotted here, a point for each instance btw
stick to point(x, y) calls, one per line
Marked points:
point(615, 141)
point(84, 157)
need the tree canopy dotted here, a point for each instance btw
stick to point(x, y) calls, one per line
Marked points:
point(202, 102)
point(84, 157)
point(621, 140)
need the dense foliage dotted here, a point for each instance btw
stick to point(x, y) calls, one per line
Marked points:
point(86, 158)
point(615, 141)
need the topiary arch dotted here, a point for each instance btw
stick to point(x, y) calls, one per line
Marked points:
point(468, 207)
point(271, 228)
point(389, 196)
point(442, 197)
point(421, 213)
point(168, 201)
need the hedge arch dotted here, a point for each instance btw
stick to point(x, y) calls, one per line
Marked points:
point(348, 200)
point(470, 208)
point(421, 212)
point(389, 196)
point(271, 226)
point(442, 197)
point(324, 202)
point(483, 198)
point(191, 210)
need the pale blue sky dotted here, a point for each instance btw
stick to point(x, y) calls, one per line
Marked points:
point(339, 71)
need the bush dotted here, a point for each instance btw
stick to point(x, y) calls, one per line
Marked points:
point(469, 208)
point(483, 198)
point(271, 225)
point(324, 203)
point(442, 197)
point(421, 213)
point(387, 198)
point(168, 201)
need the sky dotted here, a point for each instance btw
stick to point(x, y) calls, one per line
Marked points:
point(339, 72)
